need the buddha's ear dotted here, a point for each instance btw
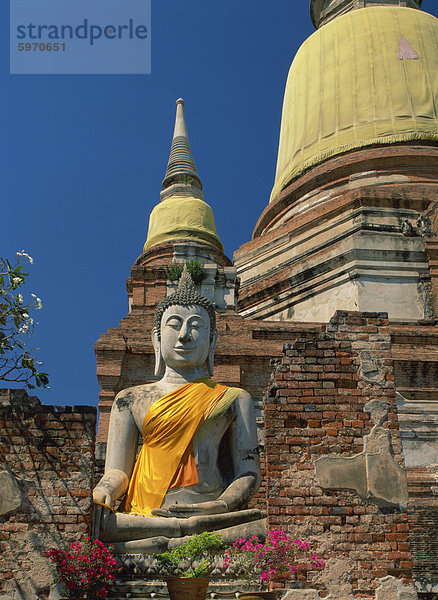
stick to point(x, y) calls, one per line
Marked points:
point(210, 357)
point(157, 349)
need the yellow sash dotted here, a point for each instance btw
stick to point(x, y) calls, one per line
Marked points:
point(166, 457)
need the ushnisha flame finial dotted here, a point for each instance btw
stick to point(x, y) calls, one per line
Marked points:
point(185, 295)
point(181, 169)
point(186, 283)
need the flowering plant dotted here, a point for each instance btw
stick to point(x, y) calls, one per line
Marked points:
point(85, 568)
point(279, 555)
point(17, 362)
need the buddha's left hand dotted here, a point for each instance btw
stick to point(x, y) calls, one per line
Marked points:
point(215, 507)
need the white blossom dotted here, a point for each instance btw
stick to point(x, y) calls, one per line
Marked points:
point(19, 299)
point(25, 255)
point(16, 280)
point(39, 304)
point(25, 315)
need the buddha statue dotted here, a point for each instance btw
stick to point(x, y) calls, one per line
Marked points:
point(177, 486)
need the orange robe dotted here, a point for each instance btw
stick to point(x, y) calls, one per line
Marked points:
point(166, 458)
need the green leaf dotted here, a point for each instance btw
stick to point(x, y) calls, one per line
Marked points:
point(44, 378)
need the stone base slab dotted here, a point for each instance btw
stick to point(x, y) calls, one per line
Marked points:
point(157, 590)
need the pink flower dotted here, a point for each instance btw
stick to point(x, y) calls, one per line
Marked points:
point(86, 567)
point(279, 554)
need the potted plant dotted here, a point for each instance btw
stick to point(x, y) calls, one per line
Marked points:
point(260, 563)
point(85, 568)
point(191, 561)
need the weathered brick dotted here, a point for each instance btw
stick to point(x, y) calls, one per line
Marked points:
point(379, 543)
point(52, 504)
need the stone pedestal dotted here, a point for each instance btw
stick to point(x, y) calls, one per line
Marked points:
point(154, 590)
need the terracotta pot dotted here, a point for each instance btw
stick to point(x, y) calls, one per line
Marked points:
point(187, 588)
point(259, 596)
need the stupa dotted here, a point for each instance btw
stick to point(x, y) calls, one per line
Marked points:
point(347, 225)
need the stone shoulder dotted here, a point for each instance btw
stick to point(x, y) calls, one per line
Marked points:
point(125, 398)
point(243, 396)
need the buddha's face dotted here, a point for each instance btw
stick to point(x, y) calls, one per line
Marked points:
point(185, 336)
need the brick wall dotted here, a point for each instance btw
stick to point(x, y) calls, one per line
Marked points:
point(423, 524)
point(315, 408)
point(47, 455)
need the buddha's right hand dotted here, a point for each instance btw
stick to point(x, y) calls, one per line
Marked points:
point(102, 508)
point(111, 487)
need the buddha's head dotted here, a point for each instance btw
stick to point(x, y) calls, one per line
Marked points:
point(185, 331)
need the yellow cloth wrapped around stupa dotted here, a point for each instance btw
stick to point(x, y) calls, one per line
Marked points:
point(182, 218)
point(350, 86)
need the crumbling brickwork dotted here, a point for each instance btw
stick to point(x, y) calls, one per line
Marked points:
point(47, 455)
point(315, 407)
point(423, 523)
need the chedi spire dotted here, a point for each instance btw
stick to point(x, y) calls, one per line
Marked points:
point(182, 214)
point(181, 169)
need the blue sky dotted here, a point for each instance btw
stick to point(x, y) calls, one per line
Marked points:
point(82, 159)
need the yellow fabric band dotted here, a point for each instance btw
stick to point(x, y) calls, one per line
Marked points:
point(168, 429)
